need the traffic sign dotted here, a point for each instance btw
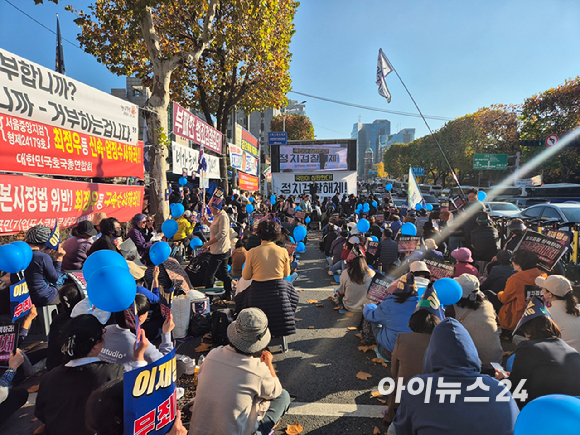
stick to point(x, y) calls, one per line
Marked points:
point(278, 138)
point(418, 171)
point(490, 161)
point(551, 140)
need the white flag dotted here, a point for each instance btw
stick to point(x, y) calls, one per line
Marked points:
point(414, 194)
point(383, 69)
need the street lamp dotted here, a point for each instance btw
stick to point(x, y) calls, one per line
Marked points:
point(285, 109)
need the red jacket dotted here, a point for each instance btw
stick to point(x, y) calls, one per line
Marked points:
point(461, 268)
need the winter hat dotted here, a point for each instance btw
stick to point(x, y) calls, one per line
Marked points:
point(249, 333)
point(38, 234)
point(86, 227)
point(469, 284)
point(555, 284)
point(534, 309)
point(430, 302)
point(462, 254)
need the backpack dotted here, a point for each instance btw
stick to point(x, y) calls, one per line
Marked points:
point(199, 324)
point(221, 319)
point(197, 268)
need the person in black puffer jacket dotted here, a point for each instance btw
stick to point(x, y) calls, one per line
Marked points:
point(500, 271)
point(484, 239)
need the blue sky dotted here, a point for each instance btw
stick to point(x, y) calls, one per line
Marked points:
point(455, 56)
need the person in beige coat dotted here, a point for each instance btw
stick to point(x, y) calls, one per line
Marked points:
point(478, 316)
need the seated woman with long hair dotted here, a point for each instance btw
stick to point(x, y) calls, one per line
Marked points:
point(355, 281)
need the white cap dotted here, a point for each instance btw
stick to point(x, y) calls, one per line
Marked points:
point(555, 284)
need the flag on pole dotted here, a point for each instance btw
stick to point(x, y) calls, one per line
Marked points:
point(383, 69)
point(414, 194)
point(59, 64)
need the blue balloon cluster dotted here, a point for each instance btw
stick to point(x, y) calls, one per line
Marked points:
point(110, 285)
point(419, 206)
point(429, 207)
point(169, 228)
point(159, 252)
point(299, 233)
point(15, 257)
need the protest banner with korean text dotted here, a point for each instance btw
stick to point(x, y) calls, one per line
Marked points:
point(29, 201)
point(378, 289)
point(188, 158)
point(248, 182)
point(31, 147)
point(408, 243)
point(439, 269)
point(190, 127)
point(329, 183)
point(150, 403)
point(242, 160)
point(33, 92)
point(20, 302)
point(8, 341)
point(548, 250)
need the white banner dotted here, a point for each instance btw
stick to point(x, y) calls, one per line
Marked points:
point(185, 157)
point(243, 160)
point(300, 158)
point(528, 182)
point(329, 183)
point(33, 92)
point(414, 196)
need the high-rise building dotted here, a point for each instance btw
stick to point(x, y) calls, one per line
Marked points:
point(135, 93)
point(406, 135)
point(373, 136)
point(257, 123)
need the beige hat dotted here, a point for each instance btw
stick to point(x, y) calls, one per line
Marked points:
point(469, 283)
point(419, 266)
point(138, 272)
point(555, 284)
point(430, 244)
point(249, 333)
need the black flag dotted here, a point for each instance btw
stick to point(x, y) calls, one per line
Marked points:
point(59, 64)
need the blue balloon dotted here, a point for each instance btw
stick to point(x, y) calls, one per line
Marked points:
point(196, 242)
point(429, 207)
point(359, 206)
point(249, 208)
point(169, 228)
point(12, 258)
point(273, 198)
point(481, 195)
point(243, 265)
point(251, 199)
point(375, 204)
point(510, 363)
point(103, 258)
point(389, 187)
point(292, 239)
point(366, 206)
point(298, 208)
point(564, 412)
point(112, 288)
point(363, 225)
point(177, 209)
point(307, 220)
point(229, 268)
point(300, 247)
point(408, 229)
point(26, 250)
point(420, 291)
point(374, 238)
point(448, 290)
point(288, 278)
point(418, 206)
point(182, 181)
point(299, 233)
point(159, 252)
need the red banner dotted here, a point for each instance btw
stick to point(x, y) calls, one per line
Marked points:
point(32, 147)
point(29, 201)
point(248, 182)
point(190, 127)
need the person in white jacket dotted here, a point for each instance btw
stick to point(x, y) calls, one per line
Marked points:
point(562, 306)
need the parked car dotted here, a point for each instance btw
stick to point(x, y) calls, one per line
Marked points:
point(523, 202)
point(431, 199)
point(502, 209)
point(399, 202)
point(561, 212)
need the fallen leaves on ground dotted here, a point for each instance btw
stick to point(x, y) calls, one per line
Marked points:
point(359, 335)
point(300, 291)
point(385, 364)
point(381, 400)
point(329, 298)
point(352, 328)
point(365, 349)
point(376, 431)
point(294, 429)
point(39, 430)
point(312, 301)
point(297, 319)
point(364, 376)
point(311, 327)
point(34, 419)
point(34, 388)
point(376, 394)
point(203, 347)
point(320, 305)
point(349, 314)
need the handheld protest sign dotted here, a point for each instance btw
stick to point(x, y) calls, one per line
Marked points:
point(8, 341)
point(181, 192)
point(439, 269)
point(20, 302)
point(149, 399)
point(184, 172)
point(167, 193)
point(548, 249)
point(54, 239)
point(165, 300)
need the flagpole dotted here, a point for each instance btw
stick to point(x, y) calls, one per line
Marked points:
point(428, 126)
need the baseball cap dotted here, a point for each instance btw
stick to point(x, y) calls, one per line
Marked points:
point(555, 284)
